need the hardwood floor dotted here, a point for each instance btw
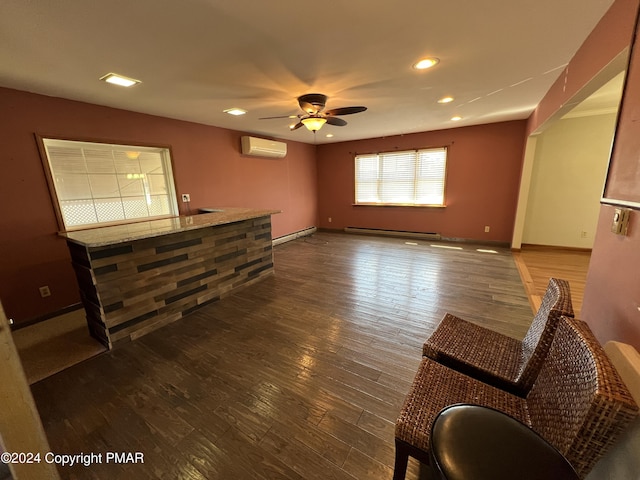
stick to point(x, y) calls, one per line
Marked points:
point(539, 263)
point(300, 376)
point(51, 346)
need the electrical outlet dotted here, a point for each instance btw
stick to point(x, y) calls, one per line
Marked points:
point(186, 197)
point(330, 220)
point(44, 291)
point(583, 234)
point(487, 228)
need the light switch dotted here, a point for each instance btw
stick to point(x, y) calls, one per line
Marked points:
point(620, 221)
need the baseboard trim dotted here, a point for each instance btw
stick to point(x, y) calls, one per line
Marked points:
point(533, 246)
point(46, 316)
point(415, 235)
point(393, 233)
point(292, 236)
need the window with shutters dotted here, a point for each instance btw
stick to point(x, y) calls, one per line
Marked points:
point(96, 184)
point(412, 177)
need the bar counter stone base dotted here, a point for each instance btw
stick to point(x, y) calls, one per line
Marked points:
point(131, 288)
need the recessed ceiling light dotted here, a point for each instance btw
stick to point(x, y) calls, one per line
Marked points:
point(116, 79)
point(456, 118)
point(446, 100)
point(235, 111)
point(329, 135)
point(426, 63)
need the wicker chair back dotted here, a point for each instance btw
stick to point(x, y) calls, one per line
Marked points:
point(536, 343)
point(579, 402)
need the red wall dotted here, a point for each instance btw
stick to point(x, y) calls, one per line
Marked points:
point(483, 174)
point(207, 164)
point(610, 36)
point(612, 294)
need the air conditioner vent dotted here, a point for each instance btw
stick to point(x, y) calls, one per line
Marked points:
point(261, 147)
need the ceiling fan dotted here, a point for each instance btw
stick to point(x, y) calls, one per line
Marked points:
point(314, 117)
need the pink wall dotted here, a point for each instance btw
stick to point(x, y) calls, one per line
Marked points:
point(612, 293)
point(207, 165)
point(483, 174)
point(610, 36)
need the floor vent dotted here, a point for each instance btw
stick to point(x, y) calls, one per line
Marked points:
point(393, 233)
point(294, 235)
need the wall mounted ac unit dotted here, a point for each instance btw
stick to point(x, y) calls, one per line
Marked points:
point(261, 147)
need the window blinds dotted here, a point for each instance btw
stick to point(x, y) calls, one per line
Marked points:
point(412, 177)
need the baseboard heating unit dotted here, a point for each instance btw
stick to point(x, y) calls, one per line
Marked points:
point(393, 233)
point(294, 235)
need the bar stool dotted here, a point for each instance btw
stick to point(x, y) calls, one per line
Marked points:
point(480, 443)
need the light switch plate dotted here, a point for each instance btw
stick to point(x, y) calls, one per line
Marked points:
point(620, 221)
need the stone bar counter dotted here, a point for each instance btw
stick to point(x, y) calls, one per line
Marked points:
point(137, 277)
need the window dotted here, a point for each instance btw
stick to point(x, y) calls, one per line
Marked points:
point(412, 177)
point(95, 184)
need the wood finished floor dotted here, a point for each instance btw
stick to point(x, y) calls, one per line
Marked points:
point(539, 263)
point(298, 377)
point(51, 346)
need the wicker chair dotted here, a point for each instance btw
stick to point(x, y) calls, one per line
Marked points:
point(502, 361)
point(578, 403)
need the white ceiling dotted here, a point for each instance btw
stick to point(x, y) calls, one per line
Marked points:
point(199, 57)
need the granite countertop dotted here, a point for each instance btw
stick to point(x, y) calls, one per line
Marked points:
point(102, 236)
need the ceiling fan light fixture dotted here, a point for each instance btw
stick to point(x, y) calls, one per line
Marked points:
point(314, 123)
point(314, 118)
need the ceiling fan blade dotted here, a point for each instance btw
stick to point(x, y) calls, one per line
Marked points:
point(338, 122)
point(296, 126)
point(345, 110)
point(312, 103)
point(281, 116)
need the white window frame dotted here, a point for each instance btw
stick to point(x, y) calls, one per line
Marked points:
point(168, 198)
point(395, 179)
